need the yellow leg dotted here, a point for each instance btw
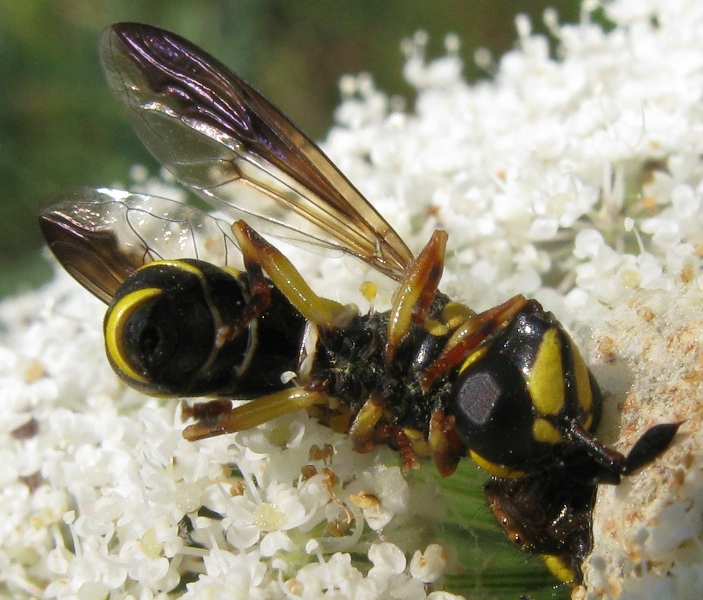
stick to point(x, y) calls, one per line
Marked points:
point(258, 252)
point(446, 448)
point(470, 335)
point(254, 413)
point(364, 425)
point(416, 292)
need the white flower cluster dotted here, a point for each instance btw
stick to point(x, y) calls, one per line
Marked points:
point(103, 496)
point(579, 174)
point(576, 180)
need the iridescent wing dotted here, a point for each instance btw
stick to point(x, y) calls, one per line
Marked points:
point(102, 236)
point(222, 139)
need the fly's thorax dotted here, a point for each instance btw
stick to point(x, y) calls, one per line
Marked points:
point(519, 394)
point(349, 360)
point(352, 363)
point(169, 329)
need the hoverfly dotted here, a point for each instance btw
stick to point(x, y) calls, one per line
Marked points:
point(429, 377)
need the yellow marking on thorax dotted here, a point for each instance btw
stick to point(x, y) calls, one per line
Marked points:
point(545, 381)
point(472, 358)
point(493, 468)
point(543, 431)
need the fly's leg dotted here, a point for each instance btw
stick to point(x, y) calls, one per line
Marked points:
point(401, 441)
point(412, 301)
point(251, 414)
point(365, 422)
point(259, 254)
point(260, 259)
point(446, 448)
point(469, 335)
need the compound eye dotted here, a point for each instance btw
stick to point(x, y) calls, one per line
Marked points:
point(494, 415)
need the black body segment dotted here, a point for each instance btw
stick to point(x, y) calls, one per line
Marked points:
point(172, 330)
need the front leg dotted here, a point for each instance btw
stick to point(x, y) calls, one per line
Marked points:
point(260, 255)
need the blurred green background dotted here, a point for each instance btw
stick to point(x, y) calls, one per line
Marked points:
point(59, 126)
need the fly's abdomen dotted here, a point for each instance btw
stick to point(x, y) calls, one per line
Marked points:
point(175, 328)
point(275, 350)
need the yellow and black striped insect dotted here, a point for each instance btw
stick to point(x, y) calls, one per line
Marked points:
point(507, 386)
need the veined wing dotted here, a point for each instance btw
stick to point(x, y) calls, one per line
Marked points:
point(221, 138)
point(102, 236)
